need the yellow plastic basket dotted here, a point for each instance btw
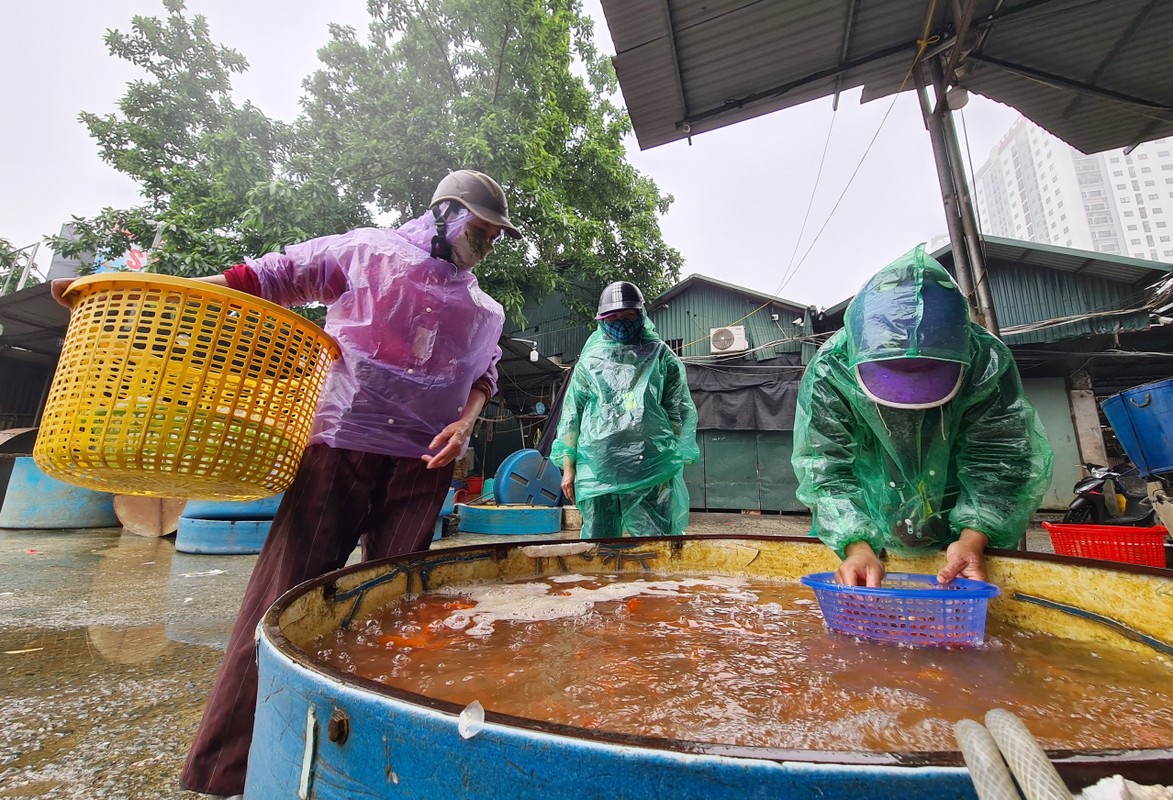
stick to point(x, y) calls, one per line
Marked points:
point(170, 387)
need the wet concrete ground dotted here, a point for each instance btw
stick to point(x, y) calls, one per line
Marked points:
point(109, 643)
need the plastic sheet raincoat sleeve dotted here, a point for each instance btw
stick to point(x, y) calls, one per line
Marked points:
point(1003, 459)
point(628, 421)
point(826, 450)
point(306, 272)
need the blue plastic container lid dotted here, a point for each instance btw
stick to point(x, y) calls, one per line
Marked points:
point(527, 478)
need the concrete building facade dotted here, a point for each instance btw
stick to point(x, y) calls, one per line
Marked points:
point(1036, 188)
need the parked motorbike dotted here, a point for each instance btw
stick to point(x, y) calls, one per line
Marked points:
point(1113, 495)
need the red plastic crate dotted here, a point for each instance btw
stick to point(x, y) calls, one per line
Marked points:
point(1110, 542)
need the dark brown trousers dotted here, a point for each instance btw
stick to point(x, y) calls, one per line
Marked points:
point(338, 497)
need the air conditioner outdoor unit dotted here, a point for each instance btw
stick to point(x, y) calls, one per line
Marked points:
point(728, 340)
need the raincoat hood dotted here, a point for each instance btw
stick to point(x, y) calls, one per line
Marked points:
point(907, 334)
point(909, 309)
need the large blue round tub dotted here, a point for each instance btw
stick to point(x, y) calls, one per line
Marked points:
point(321, 733)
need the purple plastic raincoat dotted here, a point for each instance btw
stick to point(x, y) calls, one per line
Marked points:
point(416, 333)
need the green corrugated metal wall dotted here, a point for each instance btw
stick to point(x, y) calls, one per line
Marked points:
point(1024, 295)
point(743, 471)
point(552, 326)
point(690, 316)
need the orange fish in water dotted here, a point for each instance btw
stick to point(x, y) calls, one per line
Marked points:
point(419, 640)
point(932, 675)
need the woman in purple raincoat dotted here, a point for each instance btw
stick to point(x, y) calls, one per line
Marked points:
point(419, 354)
point(419, 362)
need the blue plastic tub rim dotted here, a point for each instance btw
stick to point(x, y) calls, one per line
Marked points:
point(911, 585)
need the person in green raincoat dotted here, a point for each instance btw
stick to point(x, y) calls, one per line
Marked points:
point(912, 432)
point(628, 426)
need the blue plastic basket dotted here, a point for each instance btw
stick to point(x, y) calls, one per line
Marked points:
point(906, 609)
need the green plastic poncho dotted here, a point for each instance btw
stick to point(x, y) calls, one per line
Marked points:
point(911, 480)
point(629, 425)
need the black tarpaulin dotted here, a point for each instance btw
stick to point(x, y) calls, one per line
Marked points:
point(751, 397)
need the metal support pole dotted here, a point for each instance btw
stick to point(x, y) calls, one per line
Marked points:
point(948, 191)
point(969, 227)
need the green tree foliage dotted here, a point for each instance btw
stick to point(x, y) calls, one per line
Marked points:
point(212, 173)
point(517, 89)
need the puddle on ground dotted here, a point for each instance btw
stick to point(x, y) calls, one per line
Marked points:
point(77, 701)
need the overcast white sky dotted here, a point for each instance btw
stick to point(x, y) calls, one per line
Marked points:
point(758, 174)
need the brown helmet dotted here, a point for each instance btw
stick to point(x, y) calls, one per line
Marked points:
point(480, 194)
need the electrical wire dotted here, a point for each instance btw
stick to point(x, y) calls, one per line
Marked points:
point(922, 45)
point(814, 192)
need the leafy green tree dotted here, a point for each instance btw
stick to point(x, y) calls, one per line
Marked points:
point(512, 87)
point(515, 88)
point(212, 173)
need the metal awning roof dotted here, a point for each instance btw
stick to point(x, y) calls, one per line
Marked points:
point(520, 381)
point(32, 321)
point(1096, 73)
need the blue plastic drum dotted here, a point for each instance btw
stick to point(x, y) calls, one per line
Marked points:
point(265, 508)
point(325, 734)
point(1142, 418)
point(34, 500)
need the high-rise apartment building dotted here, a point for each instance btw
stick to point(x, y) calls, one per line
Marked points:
point(1037, 188)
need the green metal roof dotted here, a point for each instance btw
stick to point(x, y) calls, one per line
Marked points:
point(1044, 294)
point(694, 279)
point(1067, 259)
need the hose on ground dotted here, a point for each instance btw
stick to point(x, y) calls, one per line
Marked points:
point(987, 770)
point(1005, 751)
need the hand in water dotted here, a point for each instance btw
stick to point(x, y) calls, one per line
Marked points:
point(965, 558)
point(861, 567)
